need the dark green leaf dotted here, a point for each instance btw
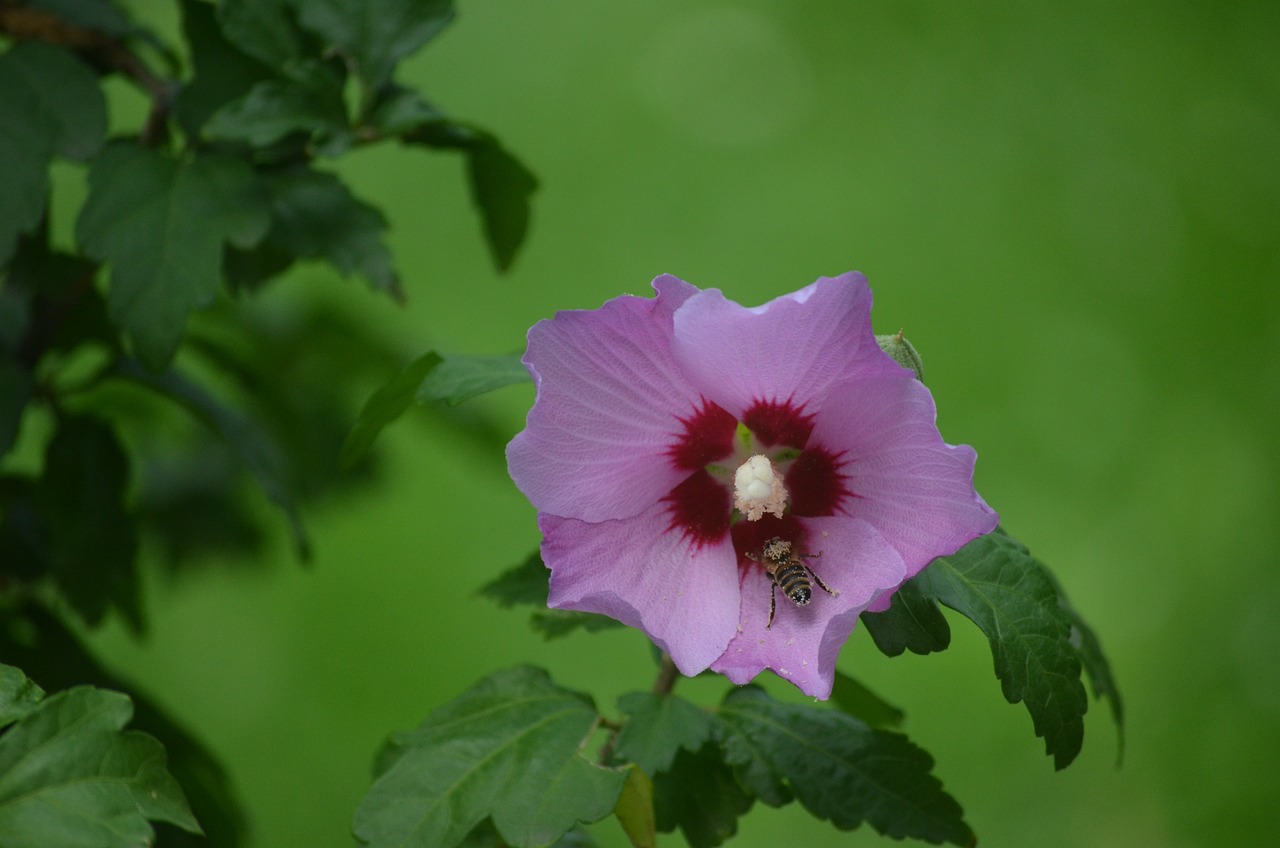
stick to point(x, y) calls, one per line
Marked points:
point(24, 533)
point(376, 34)
point(507, 748)
point(70, 775)
point(912, 622)
point(461, 378)
point(16, 386)
point(161, 223)
point(93, 533)
point(258, 454)
point(315, 216)
point(1086, 643)
point(49, 103)
point(657, 727)
point(223, 72)
point(397, 110)
point(274, 108)
point(98, 15)
point(838, 768)
point(386, 405)
point(501, 188)
point(699, 795)
point(46, 649)
point(635, 809)
point(995, 583)
point(863, 704)
point(18, 695)
point(525, 583)
point(262, 28)
point(485, 835)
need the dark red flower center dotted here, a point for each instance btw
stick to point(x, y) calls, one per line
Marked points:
point(779, 423)
point(707, 437)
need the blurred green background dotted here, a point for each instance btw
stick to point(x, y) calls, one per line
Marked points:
point(1073, 209)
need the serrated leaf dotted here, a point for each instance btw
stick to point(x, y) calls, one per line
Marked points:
point(223, 72)
point(996, 584)
point(49, 103)
point(501, 188)
point(485, 835)
point(274, 108)
point(507, 748)
point(838, 768)
point(657, 727)
point(252, 445)
point(861, 703)
point(93, 534)
point(1086, 644)
point(700, 795)
point(376, 34)
point(52, 654)
point(554, 623)
point(635, 809)
point(161, 223)
point(19, 695)
point(461, 378)
point(912, 622)
point(386, 405)
point(70, 775)
point(315, 216)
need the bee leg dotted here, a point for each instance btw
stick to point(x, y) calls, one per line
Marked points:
point(818, 580)
point(773, 604)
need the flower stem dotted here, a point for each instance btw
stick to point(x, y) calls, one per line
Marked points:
point(667, 676)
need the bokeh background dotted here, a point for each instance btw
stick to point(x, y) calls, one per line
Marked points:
point(1073, 209)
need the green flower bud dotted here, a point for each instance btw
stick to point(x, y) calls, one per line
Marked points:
point(902, 352)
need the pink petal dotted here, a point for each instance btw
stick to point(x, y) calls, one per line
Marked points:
point(803, 642)
point(791, 349)
point(915, 489)
point(682, 594)
point(610, 399)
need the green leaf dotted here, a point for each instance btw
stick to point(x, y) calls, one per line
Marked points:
point(70, 775)
point(16, 388)
point(19, 695)
point(507, 748)
point(838, 768)
point(525, 583)
point(253, 446)
point(700, 795)
point(1086, 643)
point(376, 34)
point(554, 623)
point(657, 727)
point(93, 534)
point(863, 704)
point(274, 108)
point(635, 809)
point(50, 103)
point(98, 15)
point(397, 109)
point(52, 654)
point(315, 216)
point(161, 223)
point(912, 622)
point(994, 582)
point(386, 405)
point(223, 72)
point(262, 28)
point(461, 378)
point(485, 835)
point(501, 188)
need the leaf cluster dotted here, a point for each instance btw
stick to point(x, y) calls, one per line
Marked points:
point(517, 757)
point(147, 399)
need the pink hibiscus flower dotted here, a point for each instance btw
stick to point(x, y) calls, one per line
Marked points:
point(738, 483)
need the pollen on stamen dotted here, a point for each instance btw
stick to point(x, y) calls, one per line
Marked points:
point(757, 489)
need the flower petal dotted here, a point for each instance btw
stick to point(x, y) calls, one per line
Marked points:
point(803, 642)
point(684, 595)
point(791, 349)
point(903, 479)
point(609, 407)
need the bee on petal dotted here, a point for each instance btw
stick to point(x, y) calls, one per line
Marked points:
point(787, 572)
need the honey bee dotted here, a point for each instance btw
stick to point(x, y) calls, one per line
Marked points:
point(788, 573)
